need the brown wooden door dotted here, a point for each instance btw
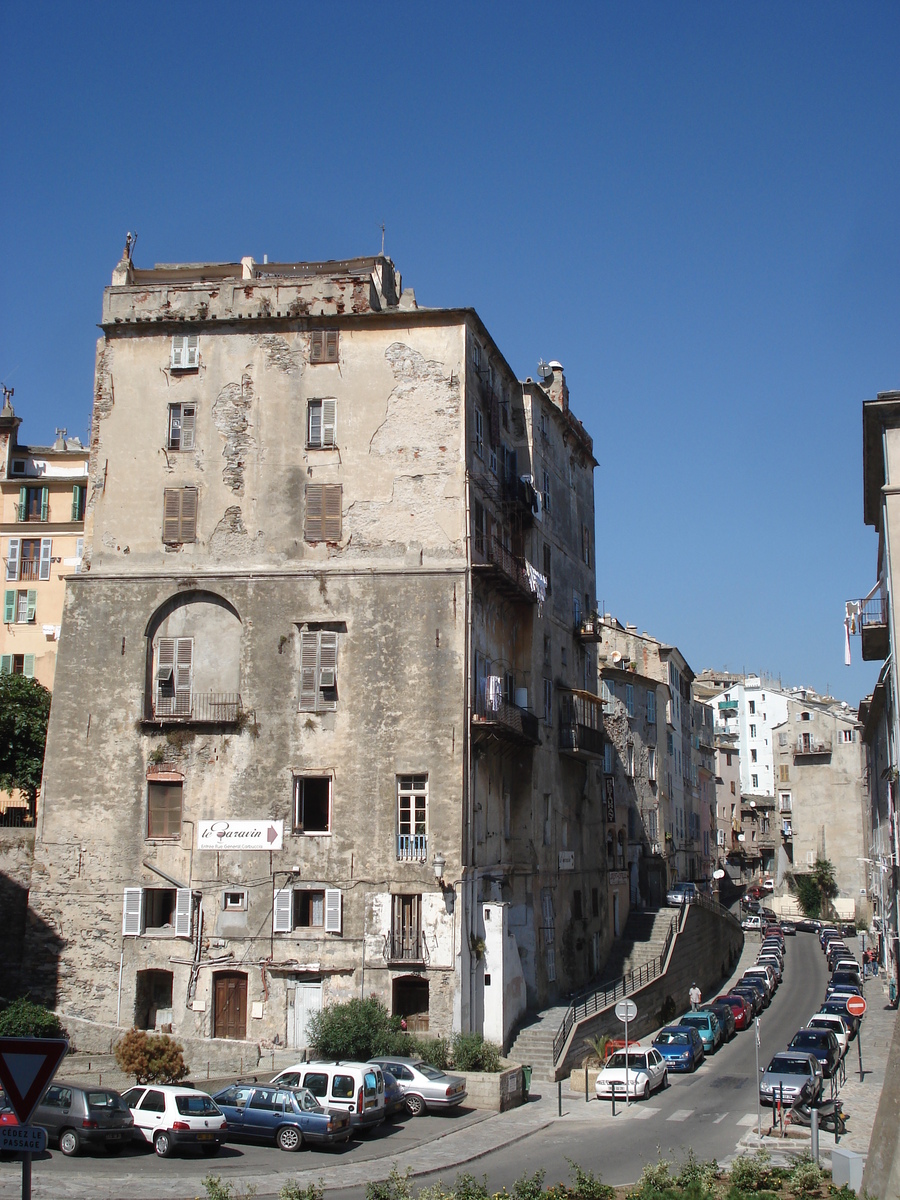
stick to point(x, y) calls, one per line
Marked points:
point(230, 1005)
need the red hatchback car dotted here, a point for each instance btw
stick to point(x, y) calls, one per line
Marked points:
point(740, 1008)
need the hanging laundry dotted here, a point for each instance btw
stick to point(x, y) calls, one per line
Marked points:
point(493, 692)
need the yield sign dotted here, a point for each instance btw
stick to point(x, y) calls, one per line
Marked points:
point(26, 1067)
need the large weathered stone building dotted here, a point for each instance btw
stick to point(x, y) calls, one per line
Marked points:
point(325, 721)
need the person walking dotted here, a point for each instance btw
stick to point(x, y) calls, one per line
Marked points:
point(694, 996)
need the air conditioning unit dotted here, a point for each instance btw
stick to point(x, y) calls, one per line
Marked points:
point(326, 677)
point(720, 837)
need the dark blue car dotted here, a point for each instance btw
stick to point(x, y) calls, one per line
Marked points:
point(681, 1046)
point(286, 1116)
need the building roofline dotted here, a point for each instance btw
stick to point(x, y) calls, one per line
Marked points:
point(879, 414)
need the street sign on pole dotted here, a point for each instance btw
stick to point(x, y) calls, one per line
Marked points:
point(856, 1006)
point(26, 1067)
point(16, 1138)
point(626, 1010)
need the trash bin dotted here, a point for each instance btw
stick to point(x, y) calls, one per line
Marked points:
point(847, 1168)
point(526, 1080)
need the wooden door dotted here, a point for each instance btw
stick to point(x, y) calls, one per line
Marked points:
point(230, 1013)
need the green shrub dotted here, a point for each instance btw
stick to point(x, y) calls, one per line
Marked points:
point(654, 1179)
point(217, 1190)
point(700, 1175)
point(587, 1186)
point(151, 1058)
point(395, 1187)
point(806, 1176)
point(470, 1052)
point(434, 1051)
point(24, 1018)
point(751, 1172)
point(467, 1187)
point(355, 1029)
point(529, 1187)
point(293, 1191)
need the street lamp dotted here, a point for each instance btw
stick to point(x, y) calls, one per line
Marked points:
point(439, 863)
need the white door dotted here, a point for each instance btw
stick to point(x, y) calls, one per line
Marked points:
point(307, 999)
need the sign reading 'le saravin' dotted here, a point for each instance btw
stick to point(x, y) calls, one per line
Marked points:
point(240, 835)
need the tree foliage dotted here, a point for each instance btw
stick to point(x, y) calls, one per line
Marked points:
point(24, 1018)
point(24, 712)
point(150, 1057)
point(816, 888)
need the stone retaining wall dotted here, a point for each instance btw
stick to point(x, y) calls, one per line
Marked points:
point(212, 1056)
point(496, 1091)
point(16, 857)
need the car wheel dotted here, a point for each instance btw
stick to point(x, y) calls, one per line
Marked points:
point(289, 1138)
point(211, 1151)
point(415, 1105)
point(162, 1144)
point(69, 1142)
point(645, 1094)
point(665, 1081)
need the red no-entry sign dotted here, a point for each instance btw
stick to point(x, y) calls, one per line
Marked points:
point(856, 1006)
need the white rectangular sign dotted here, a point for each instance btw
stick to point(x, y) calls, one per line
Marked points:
point(15, 1138)
point(240, 835)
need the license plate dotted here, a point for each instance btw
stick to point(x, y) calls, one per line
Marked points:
point(205, 1137)
point(113, 1137)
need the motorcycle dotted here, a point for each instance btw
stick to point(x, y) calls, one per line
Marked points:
point(831, 1117)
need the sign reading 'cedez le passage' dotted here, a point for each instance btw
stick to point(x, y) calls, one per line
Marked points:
point(240, 835)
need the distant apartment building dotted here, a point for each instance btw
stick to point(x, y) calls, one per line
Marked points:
point(747, 708)
point(820, 770)
point(728, 805)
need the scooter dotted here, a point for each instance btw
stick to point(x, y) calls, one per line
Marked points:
point(831, 1118)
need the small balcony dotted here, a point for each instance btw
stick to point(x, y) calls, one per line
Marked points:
point(405, 947)
point(507, 571)
point(412, 847)
point(588, 628)
point(196, 708)
point(873, 628)
point(494, 717)
point(30, 570)
point(581, 725)
point(808, 746)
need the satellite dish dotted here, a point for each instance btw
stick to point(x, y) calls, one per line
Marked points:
point(742, 837)
point(616, 657)
point(753, 804)
point(544, 369)
point(720, 874)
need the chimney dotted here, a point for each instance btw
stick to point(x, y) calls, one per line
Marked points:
point(556, 386)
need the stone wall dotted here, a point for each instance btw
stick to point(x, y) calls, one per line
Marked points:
point(703, 953)
point(496, 1091)
point(16, 858)
point(204, 1056)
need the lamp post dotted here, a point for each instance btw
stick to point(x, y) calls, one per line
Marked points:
point(439, 862)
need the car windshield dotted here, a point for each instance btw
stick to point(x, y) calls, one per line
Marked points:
point(694, 1019)
point(429, 1072)
point(635, 1059)
point(809, 1038)
point(197, 1104)
point(672, 1039)
point(111, 1101)
point(788, 1066)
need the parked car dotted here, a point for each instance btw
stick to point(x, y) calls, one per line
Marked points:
point(827, 933)
point(741, 1007)
point(836, 1024)
point(823, 1044)
point(352, 1087)
point(835, 951)
point(838, 1007)
point(765, 975)
point(841, 976)
point(394, 1099)
point(789, 928)
point(7, 1116)
point(77, 1117)
point(286, 1116)
point(752, 923)
point(773, 961)
point(749, 904)
point(707, 1025)
point(637, 1072)
point(807, 925)
point(681, 1047)
point(756, 985)
point(725, 1016)
point(423, 1086)
point(842, 988)
point(791, 1074)
point(169, 1117)
point(681, 893)
point(847, 963)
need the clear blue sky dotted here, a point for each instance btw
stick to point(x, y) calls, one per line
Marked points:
point(694, 206)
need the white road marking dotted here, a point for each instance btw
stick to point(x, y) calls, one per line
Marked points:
point(718, 1120)
point(642, 1112)
point(748, 1120)
point(681, 1114)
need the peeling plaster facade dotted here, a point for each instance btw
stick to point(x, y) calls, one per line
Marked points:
point(319, 531)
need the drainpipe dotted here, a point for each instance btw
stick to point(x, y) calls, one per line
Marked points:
point(895, 727)
point(468, 855)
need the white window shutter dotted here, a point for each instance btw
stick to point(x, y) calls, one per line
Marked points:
point(192, 350)
point(282, 911)
point(133, 912)
point(327, 668)
point(188, 421)
point(46, 551)
point(183, 675)
point(314, 431)
point(309, 671)
point(28, 666)
point(12, 560)
point(177, 349)
point(329, 420)
point(183, 910)
point(332, 910)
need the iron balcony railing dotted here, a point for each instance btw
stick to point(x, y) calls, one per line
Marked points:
point(204, 708)
point(873, 611)
point(811, 746)
point(405, 947)
point(581, 722)
point(508, 566)
point(412, 847)
point(506, 718)
point(30, 569)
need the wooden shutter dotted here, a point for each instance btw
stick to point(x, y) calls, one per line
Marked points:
point(6, 664)
point(332, 910)
point(45, 503)
point(164, 678)
point(327, 671)
point(314, 424)
point(188, 420)
point(331, 523)
point(76, 502)
point(329, 422)
point(331, 345)
point(46, 550)
point(315, 511)
point(23, 503)
point(317, 345)
point(171, 515)
point(32, 605)
point(184, 657)
point(28, 666)
point(133, 912)
point(309, 670)
point(183, 912)
point(9, 607)
point(12, 560)
point(191, 350)
point(177, 351)
point(282, 912)
point(188, 514)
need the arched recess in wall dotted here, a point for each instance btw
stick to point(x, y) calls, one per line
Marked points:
point(193, 654)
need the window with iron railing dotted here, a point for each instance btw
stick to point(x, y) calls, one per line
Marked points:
point(412, 811)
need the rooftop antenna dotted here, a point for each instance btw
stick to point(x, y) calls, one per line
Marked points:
point(130, 243)
point(544, 369)
point(8, 394)
point(382, 239)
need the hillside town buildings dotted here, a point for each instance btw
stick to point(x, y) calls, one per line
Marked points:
point(325, 718)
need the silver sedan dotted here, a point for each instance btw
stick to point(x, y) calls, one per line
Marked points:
point(424, 1086)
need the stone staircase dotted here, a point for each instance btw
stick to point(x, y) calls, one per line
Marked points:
point(642, 940)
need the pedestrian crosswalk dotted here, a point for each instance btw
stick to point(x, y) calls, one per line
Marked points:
point(649, 1112)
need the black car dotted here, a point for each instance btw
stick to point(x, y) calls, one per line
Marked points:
point(843, 977)
point(753, 996)
point(76, 1116)
point(823, 1044)
point(806, 925)
point(725, 1013)
point(839, 1007)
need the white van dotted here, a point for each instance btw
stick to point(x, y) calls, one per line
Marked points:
point(351, 1087)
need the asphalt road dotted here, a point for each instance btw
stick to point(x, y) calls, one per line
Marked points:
point(708, 1111)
